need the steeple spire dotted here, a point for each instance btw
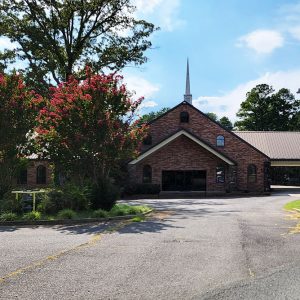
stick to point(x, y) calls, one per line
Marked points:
point(188, 95)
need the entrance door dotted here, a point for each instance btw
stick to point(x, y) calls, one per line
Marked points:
point(194, 180)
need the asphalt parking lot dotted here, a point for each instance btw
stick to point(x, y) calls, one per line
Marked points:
point(233, 248)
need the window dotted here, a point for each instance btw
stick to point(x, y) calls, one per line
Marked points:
point(147, 174)
point(22, 177)
point(252, 174)
point(184, 117)
point(220, 141)
point(220, 174)
point(41, 174)
point(147, 140)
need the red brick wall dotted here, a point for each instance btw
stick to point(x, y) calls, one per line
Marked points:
point(184, 155)
point(31, 174)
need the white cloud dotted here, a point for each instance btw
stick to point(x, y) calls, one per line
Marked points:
point(141, 86)
point(262, 41)
point(148, 104)
point(5, 43)
point(163, 13)
point(229, 103)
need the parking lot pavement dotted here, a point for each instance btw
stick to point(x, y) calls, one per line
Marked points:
point(233, 248)
point(22, 246)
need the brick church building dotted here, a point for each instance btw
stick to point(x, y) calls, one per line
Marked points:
point(187, 151)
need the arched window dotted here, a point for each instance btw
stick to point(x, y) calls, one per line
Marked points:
point(220, 141)
point(252, 173)
point(22, 177)
point(147, 140)
point(184, 117)
point(147, 174)
point(41, 174)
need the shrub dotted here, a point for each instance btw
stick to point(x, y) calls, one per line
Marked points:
point(76, 197)
point(33, 215)
point(52, 202)
point(66, 214)
point(119, 210)
point(142, 188)
point(104, 195)
point(8, 216)
point(100, 213)
point(9, 203)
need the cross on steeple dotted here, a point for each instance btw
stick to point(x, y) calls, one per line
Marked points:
point(188, 95)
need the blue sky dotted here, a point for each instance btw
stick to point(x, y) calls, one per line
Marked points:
point(232, 46)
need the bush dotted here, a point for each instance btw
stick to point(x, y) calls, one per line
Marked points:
point(142, 188)
point(52, 202)
point(66, 214)
point(104, 195)
point(100, 213)
point(76, 197)
point(33, 216)
point(9, 203)
point(8, 216)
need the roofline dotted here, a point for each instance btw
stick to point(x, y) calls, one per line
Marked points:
point(191, 136)
point(206, 116)
point(285, 159)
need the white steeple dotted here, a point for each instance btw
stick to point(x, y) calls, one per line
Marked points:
point(188, 96)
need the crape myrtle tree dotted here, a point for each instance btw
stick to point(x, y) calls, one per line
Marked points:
point(18, 110)
point(88, 127)
point(58, 38)
point(265, 109)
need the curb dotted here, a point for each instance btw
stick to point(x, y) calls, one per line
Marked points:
point(70, 221)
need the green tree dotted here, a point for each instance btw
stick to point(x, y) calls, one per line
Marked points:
point(18, 110)
point(225, 122)
point(212, 116)
point(58, 38)
point(146, 118)
point(266, 110)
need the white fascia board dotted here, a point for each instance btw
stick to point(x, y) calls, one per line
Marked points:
point(172, 138)
point(285, 163)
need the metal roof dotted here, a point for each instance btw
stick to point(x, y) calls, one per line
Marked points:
point(275, 144)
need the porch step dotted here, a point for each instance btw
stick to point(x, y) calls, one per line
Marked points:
point(186, 194)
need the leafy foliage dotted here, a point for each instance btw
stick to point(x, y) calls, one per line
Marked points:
point(58, 38)
point(66, 214)
point(88, 129)
point(152, 115)
point(32, 216)
point(9, 216)
point(18, 110)
point(212, 116)
point(266, 110)
point(225, 122)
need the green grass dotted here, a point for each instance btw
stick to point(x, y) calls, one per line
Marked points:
point(8, 216)
point(138, 219)
point(292, 205)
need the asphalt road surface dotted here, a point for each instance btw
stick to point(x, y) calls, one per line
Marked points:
point(236, 248)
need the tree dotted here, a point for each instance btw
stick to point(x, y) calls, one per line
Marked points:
point(146, 118)
point(225, 122)
point(18, 110)
point(87, 127)
point(265, 110)
point(212, 116)
point(58, 38)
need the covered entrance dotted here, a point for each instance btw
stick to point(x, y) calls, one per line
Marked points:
point(192, 180)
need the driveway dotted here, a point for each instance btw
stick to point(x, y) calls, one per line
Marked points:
point(237, 248)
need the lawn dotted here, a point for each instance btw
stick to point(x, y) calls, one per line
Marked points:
point(292, 205)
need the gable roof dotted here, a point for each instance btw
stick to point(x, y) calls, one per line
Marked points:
point(210, 119)
point(189, 135)
point(283, 145)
